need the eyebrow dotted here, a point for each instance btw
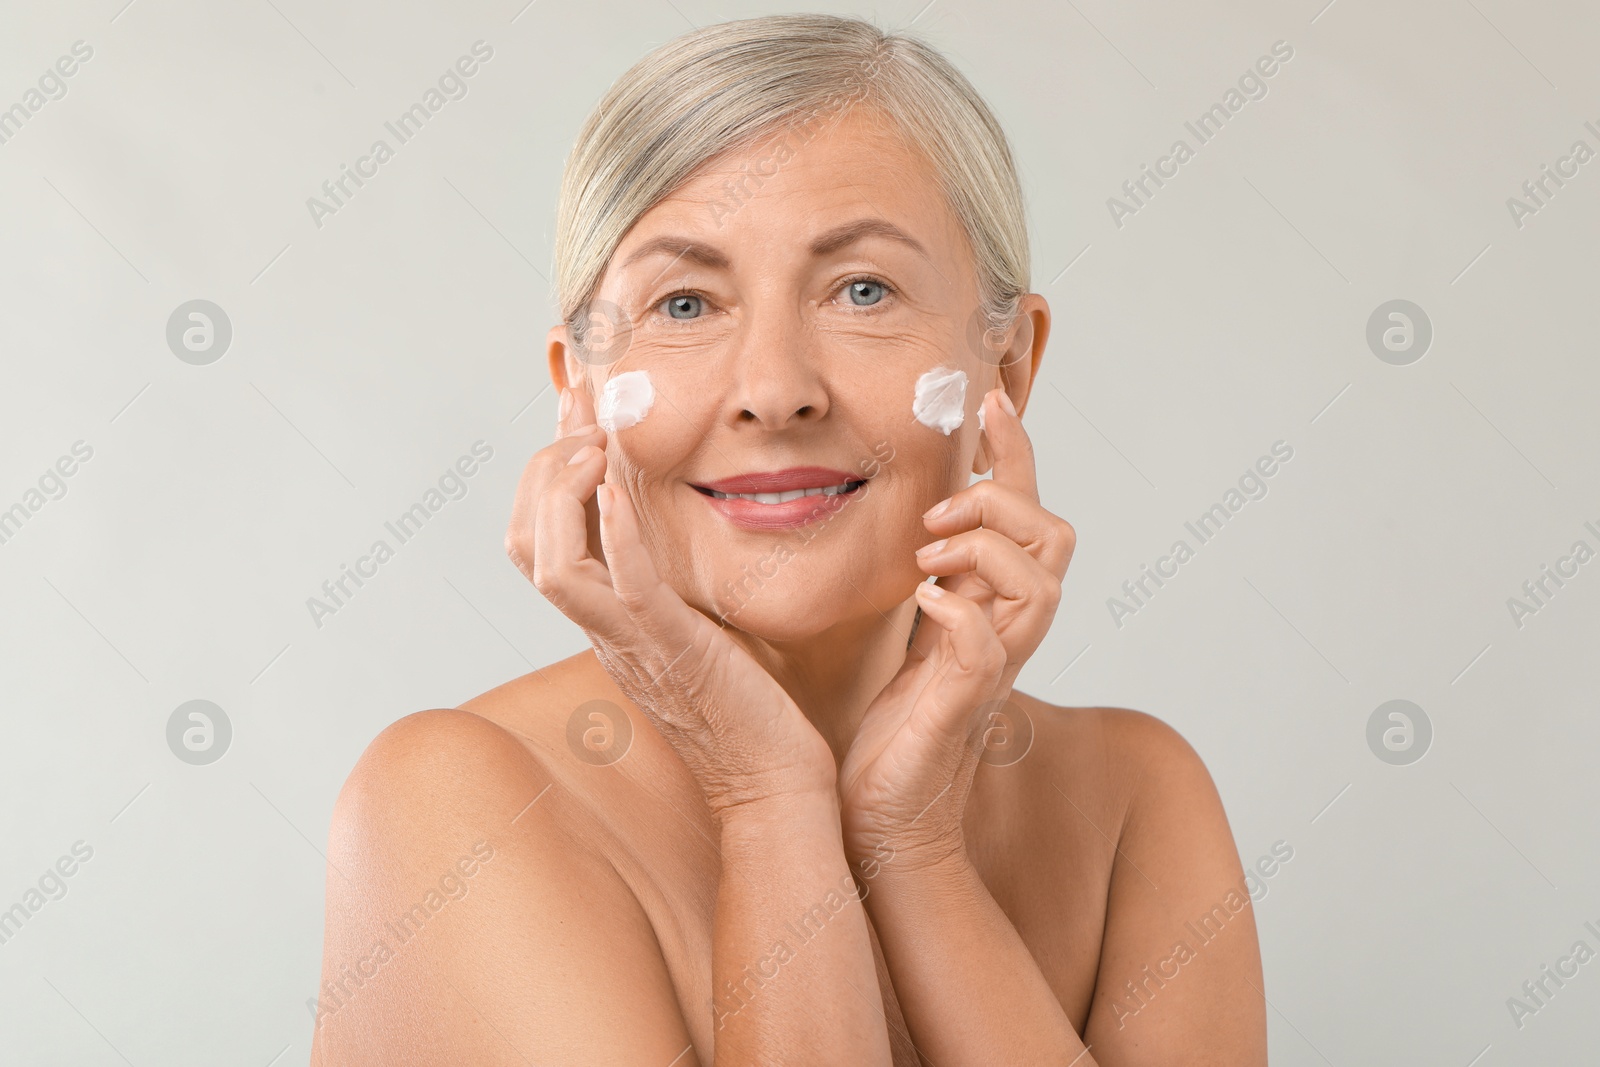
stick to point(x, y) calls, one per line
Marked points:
point(825, 243)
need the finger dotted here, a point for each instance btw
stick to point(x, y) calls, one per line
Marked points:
point(1024, 596)
point(583, 412)
point(541, 469)
point(968, 674)
point(1049, 538)
point(563, 412)
point(1002, 563)
point(574, 408)
point(563, 569)
point(1010, 445)
point(653, 608)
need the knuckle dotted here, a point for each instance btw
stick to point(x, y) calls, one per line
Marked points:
point(988, 541)
point(546, 579)
point(545, 582)
point(546, 464)
point(518, 557)
point(632, 599)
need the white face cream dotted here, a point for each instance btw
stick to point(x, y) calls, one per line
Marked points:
point(625, 401)
point(941, 399)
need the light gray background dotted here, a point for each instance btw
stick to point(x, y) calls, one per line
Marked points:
point(369, 353)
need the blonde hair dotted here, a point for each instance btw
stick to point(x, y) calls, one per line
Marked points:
point(727, 85)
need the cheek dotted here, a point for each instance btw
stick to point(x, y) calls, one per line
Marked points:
point(648, 455)
point(936, 384)
point(646, 415)
point(936, 417)
point(939, 399)
point(625, 400)
point(919, 467)
point(939, 472)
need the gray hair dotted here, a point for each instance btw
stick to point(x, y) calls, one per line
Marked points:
point(727, 85)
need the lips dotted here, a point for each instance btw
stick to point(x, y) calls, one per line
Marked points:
point(829, 491)
point(786, 480)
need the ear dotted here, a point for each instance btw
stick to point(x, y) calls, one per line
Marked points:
point(1018, 365)
point(566, 369)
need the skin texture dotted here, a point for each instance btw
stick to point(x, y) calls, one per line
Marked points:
point(1001, 912)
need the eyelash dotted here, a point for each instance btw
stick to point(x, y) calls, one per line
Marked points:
point(844, 283)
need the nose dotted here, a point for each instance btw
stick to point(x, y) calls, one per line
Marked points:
point(777, 375)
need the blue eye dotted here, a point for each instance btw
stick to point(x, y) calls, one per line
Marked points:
point(872, 291)
point(675, 304)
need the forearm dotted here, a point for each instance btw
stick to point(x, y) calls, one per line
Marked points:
point(792, 964)
point(969, 988)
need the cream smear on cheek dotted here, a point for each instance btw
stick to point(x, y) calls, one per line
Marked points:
point(940, 402)
point(625, 401)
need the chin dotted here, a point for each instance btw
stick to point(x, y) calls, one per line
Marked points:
point(793, 606)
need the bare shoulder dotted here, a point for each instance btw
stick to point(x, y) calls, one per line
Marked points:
point(466, 922)
point(1122, 737)
point(421, 756)
point(1169, 798)
point(1146, 785)
point(1118, 761)
point(1180, 967)
point(534, 707)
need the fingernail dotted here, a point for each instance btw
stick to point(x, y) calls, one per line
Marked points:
point(581, 430)
point(581, 454)
point(937, 510)
point(602, 497)
point(566, 405)
point(932, 550)
point(932, 590)
point(1005, 402)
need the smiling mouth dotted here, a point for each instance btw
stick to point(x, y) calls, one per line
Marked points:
point(841, 489)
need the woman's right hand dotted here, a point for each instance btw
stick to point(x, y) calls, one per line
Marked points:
point(731, 723)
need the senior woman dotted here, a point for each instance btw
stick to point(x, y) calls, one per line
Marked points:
point(788, 807)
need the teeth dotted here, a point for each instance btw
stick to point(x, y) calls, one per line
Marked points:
point(785, 497)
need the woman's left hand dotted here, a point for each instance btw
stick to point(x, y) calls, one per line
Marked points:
point(904, 783)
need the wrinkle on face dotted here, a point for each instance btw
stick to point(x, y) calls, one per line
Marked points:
point(782, 369)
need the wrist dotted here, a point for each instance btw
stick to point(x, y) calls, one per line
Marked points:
point(783, 787)
point(789, 833)
point(763, 812)
point(892, 858)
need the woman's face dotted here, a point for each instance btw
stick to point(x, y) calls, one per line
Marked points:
point(784, 303)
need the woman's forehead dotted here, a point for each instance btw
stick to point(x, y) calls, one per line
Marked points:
point(841, 154)
point(849, 185)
